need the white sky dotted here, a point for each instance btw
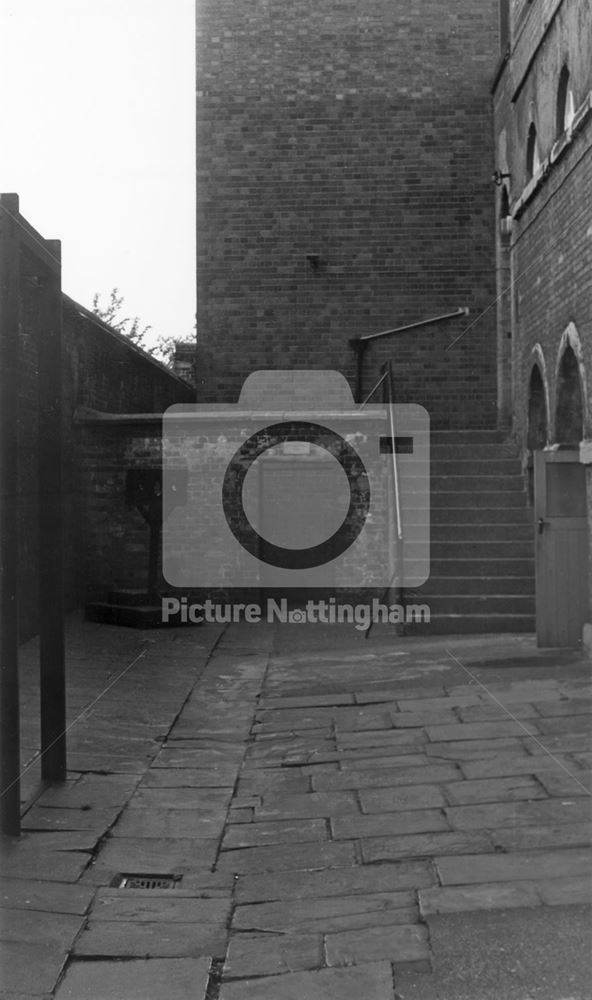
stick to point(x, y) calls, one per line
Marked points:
point(97, 138)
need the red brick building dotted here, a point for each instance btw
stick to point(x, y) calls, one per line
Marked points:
point(543, 134)
point(344, 160)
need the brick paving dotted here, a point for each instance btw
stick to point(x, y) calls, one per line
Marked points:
point(322, 797)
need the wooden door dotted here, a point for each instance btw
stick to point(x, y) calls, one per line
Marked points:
point(561, 547)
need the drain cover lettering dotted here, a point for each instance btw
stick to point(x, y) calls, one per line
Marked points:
point(137, 880)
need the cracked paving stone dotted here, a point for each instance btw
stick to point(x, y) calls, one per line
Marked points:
point(399, 945)
point(363, 879)
point(335, 913)
point(272, 954)
point(424, 845)
point(153, 905)
point(372, 982)
point(287, 857)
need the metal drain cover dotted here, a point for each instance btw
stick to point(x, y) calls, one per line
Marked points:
point(137, 880)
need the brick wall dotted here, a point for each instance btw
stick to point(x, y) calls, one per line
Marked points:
point(362, 134)
point(550, 246)
point(550, 241)
point(102, 371)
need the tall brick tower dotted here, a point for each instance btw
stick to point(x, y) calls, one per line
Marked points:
point(344, 161)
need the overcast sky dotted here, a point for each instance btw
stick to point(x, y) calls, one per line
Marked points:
point(97, 139)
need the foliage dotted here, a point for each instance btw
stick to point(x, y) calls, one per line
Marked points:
point(111, 313)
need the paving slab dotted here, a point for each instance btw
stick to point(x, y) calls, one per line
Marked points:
point(91, 791)
point(307, 701)
point(383, 777)
point(287, 857)
point(424, 845)
point(155, 979)
point(150, 854)
point(398, 944)
point(382, 738)
point(206, 800)
point(566, 891)
point(480, 730)
point(168, 823)
point(524, 838)
point(490, 711)
point(504, 814)
point(402, 719)
point(275, 832)
point(166, 905)
point(49, 818)
point(475, 749)
point(487, 896)
point(24, 860)
point(22, 926)
point(389, 824)
point(403, 797)
point(130, 939)
point(325, 915)
point(335, 882)
point(433, 692)
point(374, 980)
point(562, 783)
point(469, 868)
point(508, 789)
point(190, 777)
point(51, 897)
point(31, 968)
point(272, 954)
point(307, 806)
point(522, 763)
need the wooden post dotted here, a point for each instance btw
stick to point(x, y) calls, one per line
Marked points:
point(51, 610)
point(9, 679)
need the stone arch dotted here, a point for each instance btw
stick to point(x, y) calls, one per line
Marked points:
point(570, 392)
point(538, 417)
point(537, 414)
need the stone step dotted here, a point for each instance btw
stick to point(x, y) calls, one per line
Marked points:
point(472, 624)
point(472, 499)
point(470, 549)
point(476, 515)
point(477, 484)
point(474, 466)
point(467, 437)
point(411, 484)
point(480, 532)
point(482, 567)
point(474, 604)
point(479, 451)
point(469, 585)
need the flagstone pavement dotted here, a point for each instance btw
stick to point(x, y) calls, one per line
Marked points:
point(337, 815)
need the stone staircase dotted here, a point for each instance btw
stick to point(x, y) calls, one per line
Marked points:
point(481, 538)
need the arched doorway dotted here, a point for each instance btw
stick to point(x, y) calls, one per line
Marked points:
point(569, 413)
point(561, 512)
point(537, 433)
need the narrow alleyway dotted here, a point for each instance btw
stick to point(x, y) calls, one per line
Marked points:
point(339, 818)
